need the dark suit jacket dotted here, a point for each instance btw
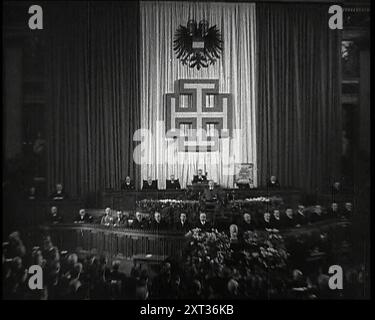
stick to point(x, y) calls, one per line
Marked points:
point(346, 213)
point(182, 228)
point(85, 219)
point(335, 190)
point(58, 196)
point(55, 219)
point(122, 222)
point(125, 186)
point(273, 185)
point(137, 224)
point(244, 226)
point(30, 196)
point(316, 218)
point(300, 219)
point(277, 224)
point(146, 186)
point(206, 227)
point(211, 195)
point(265, 225)
point(173, 186)
point(243, 186)
point(197, 179)
point(158, 226)
point(334, 214)
point(289, 223)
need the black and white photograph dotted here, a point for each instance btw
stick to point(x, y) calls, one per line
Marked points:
point(202, 151)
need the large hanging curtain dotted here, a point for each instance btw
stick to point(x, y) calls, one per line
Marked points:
point(93, 100)
point(299, 108)
point(235, 71)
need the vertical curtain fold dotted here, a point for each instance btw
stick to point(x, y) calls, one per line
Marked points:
point(236, 73)
point(299, 107)
point(93, 94)
point(101, 89)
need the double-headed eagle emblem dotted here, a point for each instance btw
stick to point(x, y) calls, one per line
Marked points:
point(197, 46)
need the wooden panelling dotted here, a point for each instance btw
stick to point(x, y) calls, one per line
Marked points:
point(111, 241)
point(128, 242)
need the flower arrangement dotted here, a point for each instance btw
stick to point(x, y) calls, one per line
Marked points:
point(257, 199)
point(208, 253)
point(170, 201)
point(266, 250)
point(149, 205)
point(275, 201)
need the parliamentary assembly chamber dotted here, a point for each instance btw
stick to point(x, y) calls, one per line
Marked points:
point(186, 150)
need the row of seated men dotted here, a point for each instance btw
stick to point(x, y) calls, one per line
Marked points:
point(171, 184)
point(275, 220)
point(58, 194)
point(199, 178)
point(139, 222)
point(211, 192)
point(150, 184)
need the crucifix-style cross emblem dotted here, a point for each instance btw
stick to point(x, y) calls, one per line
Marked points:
point(198, 115)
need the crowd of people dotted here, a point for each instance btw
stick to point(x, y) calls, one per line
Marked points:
point(277, 218)
point(66, 275)
point(77, 276)
point(271, 218)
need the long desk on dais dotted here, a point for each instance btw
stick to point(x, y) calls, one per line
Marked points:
point(127, 200)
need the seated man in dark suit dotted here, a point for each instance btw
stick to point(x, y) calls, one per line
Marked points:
point(233, 237)
point(203, 224)
point(245, 186)
point(276, 221)
point(199, 178)
point(32, 194)
point(247, 223)
point(336, 188)
point(289, 220)
point(173, 184)
point(334, 211)
point(157, 224)
point(138, 222)
point(211, 193)
point(266, 221)
point(59, 193)
point(300, 217)
point(127, 184)
point(116, 275)
point(55, 217)
point(273, 182)
point(348, 210)
point(83, 217)
point(150, 184)
point(317, 214)
point(120, 220)
point(182, 225)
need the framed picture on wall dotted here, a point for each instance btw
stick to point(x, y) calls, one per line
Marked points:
point(244, 173)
